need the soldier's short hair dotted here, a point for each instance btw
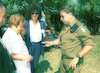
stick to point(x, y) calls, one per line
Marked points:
point(68, 8)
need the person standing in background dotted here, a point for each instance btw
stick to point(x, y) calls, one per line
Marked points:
point(35, 34)
point(6, 62)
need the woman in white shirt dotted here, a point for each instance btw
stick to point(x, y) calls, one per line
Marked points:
point(16, 46)
point(34, 34)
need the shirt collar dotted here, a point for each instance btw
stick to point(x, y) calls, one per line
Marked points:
point(33, 22)
point(12, 31)
point(73, 22)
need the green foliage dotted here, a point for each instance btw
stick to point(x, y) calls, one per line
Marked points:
point(96, 50)
point(84, 9)
point(96, 4)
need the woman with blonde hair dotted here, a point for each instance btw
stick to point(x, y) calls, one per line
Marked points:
point(15, 45)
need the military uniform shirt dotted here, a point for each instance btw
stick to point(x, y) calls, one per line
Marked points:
point(73, 38)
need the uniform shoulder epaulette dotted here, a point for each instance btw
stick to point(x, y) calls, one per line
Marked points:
point(78, 23)
point(73, 28)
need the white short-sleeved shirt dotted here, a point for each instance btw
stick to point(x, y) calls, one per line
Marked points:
point(15, 44)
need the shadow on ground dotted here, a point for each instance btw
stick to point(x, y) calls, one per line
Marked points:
point(43, 67)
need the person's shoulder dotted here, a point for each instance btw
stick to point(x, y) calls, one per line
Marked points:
point(1, 48)
point(8, 34)
point(74, 25)
point(63, 27)
point(41, 21)
point(26, 21)
point(83, 28)
point(0, 42)
point(74, 28)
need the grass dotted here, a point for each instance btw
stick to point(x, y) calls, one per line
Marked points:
point(92, 63)
point(51, 61)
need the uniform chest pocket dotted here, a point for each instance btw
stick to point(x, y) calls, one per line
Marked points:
point(71, 36)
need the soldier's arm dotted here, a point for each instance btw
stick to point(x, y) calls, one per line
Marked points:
point(85, 37)
point(56, 42)
point(86, 49)
point(86, 40)
point(51, 43)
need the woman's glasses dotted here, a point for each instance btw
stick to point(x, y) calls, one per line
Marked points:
point(35, 13)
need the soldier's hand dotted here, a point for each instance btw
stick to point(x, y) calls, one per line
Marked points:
point(74, 63)
point(48, 43)
point(48, 32)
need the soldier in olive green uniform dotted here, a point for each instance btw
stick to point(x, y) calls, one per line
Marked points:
point(75, 41)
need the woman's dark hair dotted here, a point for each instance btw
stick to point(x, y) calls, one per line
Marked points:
point(31, 9)
point(68, 9)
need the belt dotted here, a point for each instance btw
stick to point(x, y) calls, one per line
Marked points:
point(36, 42)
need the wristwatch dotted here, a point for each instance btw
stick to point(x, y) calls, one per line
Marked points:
point(78, 56)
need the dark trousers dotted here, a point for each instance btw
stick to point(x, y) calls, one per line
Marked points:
point(34, 50)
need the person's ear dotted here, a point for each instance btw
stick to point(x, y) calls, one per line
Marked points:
point(70, 14)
